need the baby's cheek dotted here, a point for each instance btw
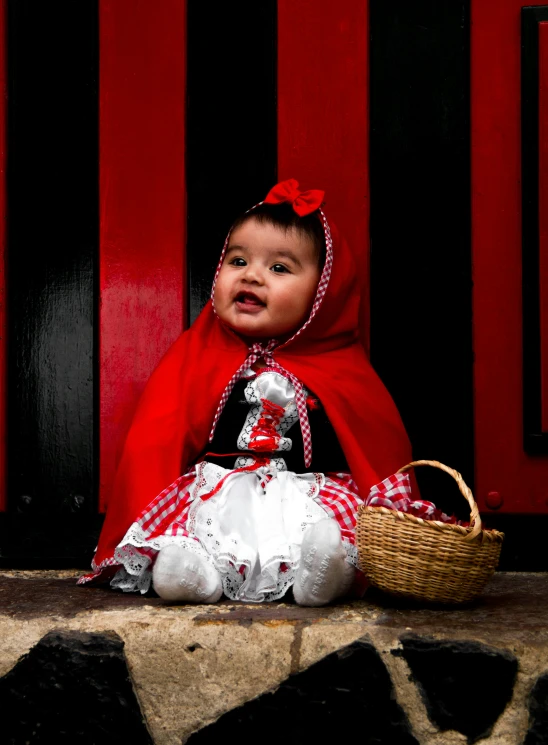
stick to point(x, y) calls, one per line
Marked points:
point(219, 294)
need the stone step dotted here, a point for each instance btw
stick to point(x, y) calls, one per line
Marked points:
point(90, 665)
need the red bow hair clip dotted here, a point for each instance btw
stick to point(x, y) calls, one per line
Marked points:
point(303, 202)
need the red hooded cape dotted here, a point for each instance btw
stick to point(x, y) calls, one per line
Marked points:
point(173, 420)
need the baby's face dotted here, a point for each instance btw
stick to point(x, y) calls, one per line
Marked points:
point(267, 282)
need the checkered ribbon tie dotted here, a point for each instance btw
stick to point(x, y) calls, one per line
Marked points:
point(256, 352)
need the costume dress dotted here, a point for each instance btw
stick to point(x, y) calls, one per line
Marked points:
point(249, 517)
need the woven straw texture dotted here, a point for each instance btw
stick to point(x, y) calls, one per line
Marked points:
point(426, 559)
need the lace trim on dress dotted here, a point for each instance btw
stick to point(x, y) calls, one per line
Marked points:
point(247, 460)
point(351, 553)
point(135, 553)
point(233, 581)
point(126, 582)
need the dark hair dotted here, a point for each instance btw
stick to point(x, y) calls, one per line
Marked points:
point(284, 216)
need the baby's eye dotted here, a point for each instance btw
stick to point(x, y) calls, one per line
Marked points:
point(237, 261)
point(280, 268)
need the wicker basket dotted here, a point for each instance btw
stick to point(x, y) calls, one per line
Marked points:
point(426, 559)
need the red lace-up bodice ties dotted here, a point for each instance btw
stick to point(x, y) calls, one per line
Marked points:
point(264, 437)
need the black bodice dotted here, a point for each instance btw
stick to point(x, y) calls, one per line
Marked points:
point(327, 454)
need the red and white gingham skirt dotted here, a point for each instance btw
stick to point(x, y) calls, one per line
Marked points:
point(169, 518)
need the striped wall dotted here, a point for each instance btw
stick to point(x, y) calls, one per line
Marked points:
point(135, 134)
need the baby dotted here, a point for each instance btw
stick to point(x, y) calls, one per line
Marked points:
point(271, 412)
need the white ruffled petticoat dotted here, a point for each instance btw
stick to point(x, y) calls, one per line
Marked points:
point(253, 529)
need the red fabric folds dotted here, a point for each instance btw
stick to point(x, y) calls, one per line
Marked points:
point(174, 416)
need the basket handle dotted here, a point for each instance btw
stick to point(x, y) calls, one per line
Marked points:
point(475, 519)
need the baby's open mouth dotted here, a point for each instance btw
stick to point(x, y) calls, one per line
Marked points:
point(249, 298)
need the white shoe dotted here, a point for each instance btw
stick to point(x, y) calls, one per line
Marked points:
point(182, 576)
point(323, 573)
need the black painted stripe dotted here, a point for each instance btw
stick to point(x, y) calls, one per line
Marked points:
point(52, 249)
point(231, 126)
point(421, 327)
point(534, 439)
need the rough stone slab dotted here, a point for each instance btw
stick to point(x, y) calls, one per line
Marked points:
point(349, 689)
point(538, 711)
point(454, 676)
point(190, 665)
point(72, 687)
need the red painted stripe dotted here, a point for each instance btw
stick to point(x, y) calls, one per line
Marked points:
point(142, 205)
point(3, 95)
point(543, 216)
point(322, 112)
point(501, 463)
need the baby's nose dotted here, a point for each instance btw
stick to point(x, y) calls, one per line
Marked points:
point(253, 274)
